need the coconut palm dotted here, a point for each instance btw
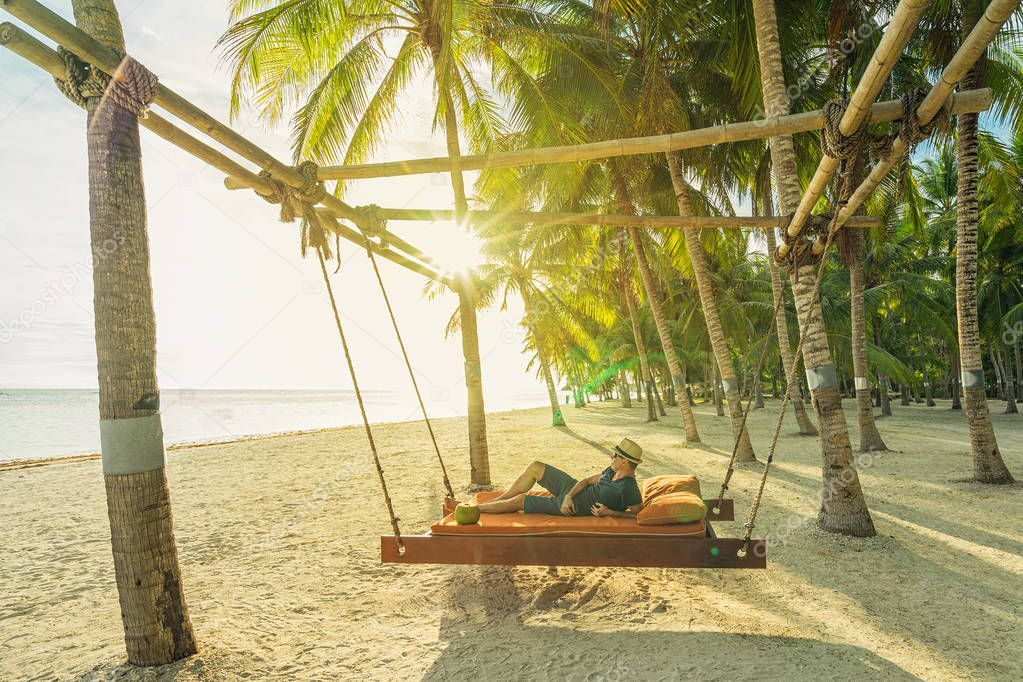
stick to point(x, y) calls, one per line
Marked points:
point(988, 465)
point(157, 628)
point(326, 56)
point(843, 507)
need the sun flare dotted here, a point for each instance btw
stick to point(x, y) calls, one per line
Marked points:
point(458, 250)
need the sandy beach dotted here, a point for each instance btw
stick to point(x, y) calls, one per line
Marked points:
point(280, 558)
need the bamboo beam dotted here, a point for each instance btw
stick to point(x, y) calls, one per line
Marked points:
point(26, 46)
point(882, 112)
point(997, 13)
point(87, 48)
point(889, 49)
point(602, 220)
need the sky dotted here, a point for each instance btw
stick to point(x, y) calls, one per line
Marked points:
point(236, 305)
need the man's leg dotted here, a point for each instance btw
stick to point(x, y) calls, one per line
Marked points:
point(523, 484)
point(508, 506)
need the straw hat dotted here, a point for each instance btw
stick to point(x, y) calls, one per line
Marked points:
point(630, 451)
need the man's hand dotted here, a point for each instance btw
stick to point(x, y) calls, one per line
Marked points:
point(567, 506)
point(600, 509)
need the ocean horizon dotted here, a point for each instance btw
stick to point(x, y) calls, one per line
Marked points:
point(46, 422)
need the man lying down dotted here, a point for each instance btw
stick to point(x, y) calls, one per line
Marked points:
point(612, 492)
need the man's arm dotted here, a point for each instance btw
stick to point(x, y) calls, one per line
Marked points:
point(600, 509)
point(567, 506)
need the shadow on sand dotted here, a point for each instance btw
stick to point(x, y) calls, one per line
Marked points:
point(511, 650)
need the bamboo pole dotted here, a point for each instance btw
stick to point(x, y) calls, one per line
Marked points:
point(882, 112)
point(602, 220)
point(24, 45)
point(59, 30)
point(997, 13)
point(889, 49)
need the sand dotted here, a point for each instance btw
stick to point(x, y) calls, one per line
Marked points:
point(278, 540)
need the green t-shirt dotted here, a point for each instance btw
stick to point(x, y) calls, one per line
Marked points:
point(614, 494)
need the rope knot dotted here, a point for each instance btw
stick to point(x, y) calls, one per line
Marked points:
point(910, 129)
point(374, 225)
point(300, 201)
point(132, 87)
point(833, 142)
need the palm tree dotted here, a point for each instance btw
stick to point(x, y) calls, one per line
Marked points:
point(843, 508)
point(988, 465)
point(324, 55)
point(625, 284)
point(157, 628)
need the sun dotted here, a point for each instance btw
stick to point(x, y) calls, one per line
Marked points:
point(454, 249)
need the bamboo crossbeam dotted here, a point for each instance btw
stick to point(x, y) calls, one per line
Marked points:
point(889, 49)
point(29, 48)
point(997, 13)
point(882, 112)
point(602, 220)
point(86, 47)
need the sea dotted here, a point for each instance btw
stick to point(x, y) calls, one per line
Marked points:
point(39, 423)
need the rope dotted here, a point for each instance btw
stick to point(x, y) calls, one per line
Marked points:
point(790, 377)
point(411, 373)
point(362, 406)
point(833, 142)
point(910, 129)
point(301, 201)
point(133, 87)
point(745, 415)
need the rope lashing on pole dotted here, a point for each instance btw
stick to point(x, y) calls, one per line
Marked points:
point(133, 86)
point(374, 226)
point(301, 201)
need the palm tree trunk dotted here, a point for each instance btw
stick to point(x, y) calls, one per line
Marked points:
point(1010, 389)
point(954, 387)
point(557, 418)
point(719, 402)
point(624, 390)
point(806, 427)
point(843, 507)
point(1019, 369)
point(644, 362)
point(928, 394)
point(999, 374)
point(479, 458)
point(692, 435)
point(157, 627)
point(988, 465)
point(657, 397)
point(705, 287)
point(870, 437)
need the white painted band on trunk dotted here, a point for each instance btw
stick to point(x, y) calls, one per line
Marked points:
point(131, 446)
point(821, 377)
point(862, 383)
point(927, 384)
point(973, 378)
point(730, 385)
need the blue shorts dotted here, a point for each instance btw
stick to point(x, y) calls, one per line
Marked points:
point(557, 483)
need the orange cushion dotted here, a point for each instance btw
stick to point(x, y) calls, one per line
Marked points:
point(656, 486)
point(544, 524)
point(683, 507)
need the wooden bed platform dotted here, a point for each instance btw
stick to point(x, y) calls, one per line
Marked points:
point(580, 549)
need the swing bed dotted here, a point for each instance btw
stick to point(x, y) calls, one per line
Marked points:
point(518, 540)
